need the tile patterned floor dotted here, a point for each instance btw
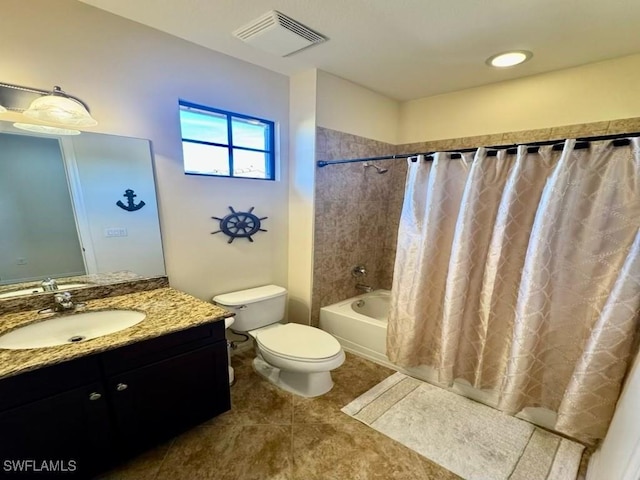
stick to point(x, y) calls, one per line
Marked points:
point(270, 434)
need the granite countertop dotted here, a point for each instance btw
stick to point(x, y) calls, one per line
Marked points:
point(90, 280)
point(168, 310)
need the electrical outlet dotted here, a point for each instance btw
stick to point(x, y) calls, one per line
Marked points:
point(21, 261)
point(115, 232)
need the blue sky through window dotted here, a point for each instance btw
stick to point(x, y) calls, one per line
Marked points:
point(226, 144)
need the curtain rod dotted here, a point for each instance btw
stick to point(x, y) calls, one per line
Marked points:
point(582, 142)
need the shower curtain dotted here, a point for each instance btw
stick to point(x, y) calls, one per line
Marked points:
point(520, 273)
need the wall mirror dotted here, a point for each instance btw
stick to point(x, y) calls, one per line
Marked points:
point(59, 215)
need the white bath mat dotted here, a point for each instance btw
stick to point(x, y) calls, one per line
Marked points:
point(470, 439)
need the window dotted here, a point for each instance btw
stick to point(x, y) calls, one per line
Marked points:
point(226, 144)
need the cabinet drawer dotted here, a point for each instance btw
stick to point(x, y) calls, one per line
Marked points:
point(45, 382)
point(156, 349)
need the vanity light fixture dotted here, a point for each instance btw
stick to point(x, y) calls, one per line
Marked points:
point(46, 129)
point(60, 108)
point(509, 59)
point(56, 107)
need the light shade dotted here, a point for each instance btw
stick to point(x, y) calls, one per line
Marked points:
point(30, 127)
point(60, 109)
point(509, 59)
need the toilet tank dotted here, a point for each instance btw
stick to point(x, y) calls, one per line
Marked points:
point(255, 307)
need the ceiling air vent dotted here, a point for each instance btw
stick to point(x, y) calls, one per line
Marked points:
point(276, 33)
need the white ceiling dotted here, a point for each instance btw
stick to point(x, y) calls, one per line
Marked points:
point(407, 49)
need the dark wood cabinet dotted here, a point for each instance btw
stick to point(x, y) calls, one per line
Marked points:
point(65, 435)
point(89, 413)
point(155, 402)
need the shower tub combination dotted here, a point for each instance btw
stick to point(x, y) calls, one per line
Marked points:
point(360, 325)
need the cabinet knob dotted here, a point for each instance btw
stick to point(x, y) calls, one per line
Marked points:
point(95, 396)
point(121, 386)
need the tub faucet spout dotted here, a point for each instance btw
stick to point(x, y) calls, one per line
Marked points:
point(364, 288)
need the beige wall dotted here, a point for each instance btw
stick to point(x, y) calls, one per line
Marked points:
point(132, 77)
point(351, 108)
point(301, 194)
point(597, 92)
point(590, 93)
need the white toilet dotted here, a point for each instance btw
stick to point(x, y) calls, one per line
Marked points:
point(297, 358)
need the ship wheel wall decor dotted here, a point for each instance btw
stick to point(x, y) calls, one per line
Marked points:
point(240, 224)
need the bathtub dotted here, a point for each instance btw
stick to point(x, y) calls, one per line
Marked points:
point(360, 325)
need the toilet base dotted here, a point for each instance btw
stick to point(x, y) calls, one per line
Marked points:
point(303, 384)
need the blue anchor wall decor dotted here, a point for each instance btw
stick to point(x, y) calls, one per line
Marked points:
point(240, 224)
point(130, 206)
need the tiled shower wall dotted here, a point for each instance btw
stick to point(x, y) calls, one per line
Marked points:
point(357, 212)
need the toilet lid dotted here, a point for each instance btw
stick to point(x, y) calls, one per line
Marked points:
point(299, 341)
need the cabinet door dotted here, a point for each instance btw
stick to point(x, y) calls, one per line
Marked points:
point(155, 402)
point(62, 436)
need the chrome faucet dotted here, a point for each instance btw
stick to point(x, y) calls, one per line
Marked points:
point(49, 285)
point(62, 302)
point(364, 288)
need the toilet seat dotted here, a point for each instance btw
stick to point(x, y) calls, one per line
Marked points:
point(299, 343)
point(295, 359)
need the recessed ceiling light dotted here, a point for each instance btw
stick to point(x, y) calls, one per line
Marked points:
point(509, 59)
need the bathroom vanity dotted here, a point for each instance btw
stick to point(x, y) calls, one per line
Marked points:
point(92, 404)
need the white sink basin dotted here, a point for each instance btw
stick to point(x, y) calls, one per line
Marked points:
point(29, 291)
point(72, 328)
